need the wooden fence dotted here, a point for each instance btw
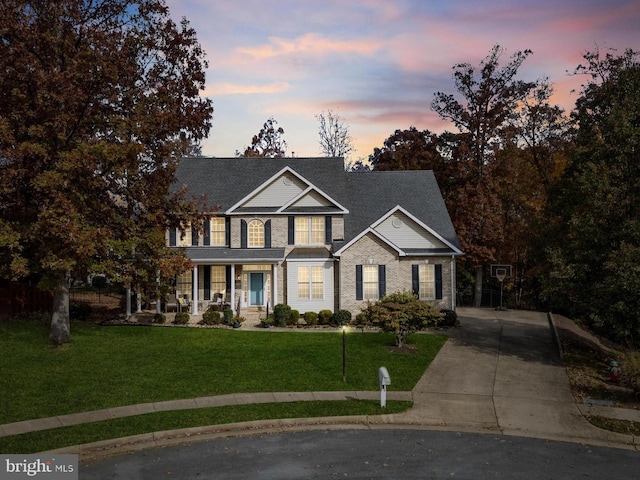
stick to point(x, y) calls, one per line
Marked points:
point(18, 298)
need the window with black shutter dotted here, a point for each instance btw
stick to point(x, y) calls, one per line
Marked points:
point(243, 234)
point(267, 234)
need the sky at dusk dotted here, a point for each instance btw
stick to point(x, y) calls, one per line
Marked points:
point(378, 63)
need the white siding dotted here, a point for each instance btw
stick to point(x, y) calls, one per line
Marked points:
point(405, 233)
point(309, 305)
point(313, 199)
point(279, 192)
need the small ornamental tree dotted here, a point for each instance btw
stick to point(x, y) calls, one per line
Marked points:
point(402, 314)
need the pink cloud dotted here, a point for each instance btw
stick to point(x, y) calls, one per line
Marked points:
point(310, 44)
point(228, 88)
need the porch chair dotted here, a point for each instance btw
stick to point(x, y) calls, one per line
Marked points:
point(171, 302)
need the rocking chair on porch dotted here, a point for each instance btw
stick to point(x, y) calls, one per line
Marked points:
point(219, 302)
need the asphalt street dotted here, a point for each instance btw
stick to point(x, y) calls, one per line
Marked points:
point(370, 454)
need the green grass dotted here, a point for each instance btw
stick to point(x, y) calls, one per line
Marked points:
point(106, 367)
point(121, 427)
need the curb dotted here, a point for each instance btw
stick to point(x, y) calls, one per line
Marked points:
point(94, 451)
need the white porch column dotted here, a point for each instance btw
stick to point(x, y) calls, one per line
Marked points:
point(158, 305)
point(138, 302)
point(232, 298)
point(128, 302)
point(194, 289)
point(275, 285)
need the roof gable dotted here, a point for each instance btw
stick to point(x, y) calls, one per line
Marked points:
point(406, 234)
point(287, 191)
point(277, 191)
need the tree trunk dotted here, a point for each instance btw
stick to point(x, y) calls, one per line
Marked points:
point(60, 329)
point(477, 298)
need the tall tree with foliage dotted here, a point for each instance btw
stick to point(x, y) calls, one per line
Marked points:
point(594, 251)
point(99, 101)
point(335, 139)
point(409, 149)
point(489, 101)
point(269, 142)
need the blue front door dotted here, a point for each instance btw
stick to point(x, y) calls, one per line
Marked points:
point(256, 281)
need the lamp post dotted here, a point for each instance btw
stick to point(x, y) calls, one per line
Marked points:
point(344, 353)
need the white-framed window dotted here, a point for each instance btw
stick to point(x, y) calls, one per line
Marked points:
point(427, 279)
point(309, 230)
point(310, 283)
point(255, 232)
point(218, 233)
point(370, 286)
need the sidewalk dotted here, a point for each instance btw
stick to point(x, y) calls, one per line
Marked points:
point(500, 372)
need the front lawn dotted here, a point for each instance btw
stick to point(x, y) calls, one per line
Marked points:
point(106, 367)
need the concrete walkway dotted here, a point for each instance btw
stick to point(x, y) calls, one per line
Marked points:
point(500, 372)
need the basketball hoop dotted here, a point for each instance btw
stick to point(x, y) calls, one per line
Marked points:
point(501, 272)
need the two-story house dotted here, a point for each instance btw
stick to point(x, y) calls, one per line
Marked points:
point(304, 232)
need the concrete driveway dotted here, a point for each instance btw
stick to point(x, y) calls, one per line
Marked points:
point(502, 371)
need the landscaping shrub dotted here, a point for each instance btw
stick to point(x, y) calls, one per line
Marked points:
point(228, 316)
point(311, 318)
point(182, 318)
point(402, 314)
point(211, 317)
point(281, 315)
point(342, 317)
point(159, 318)
point(294, 317)
point(79, 311)
point(450, 319)
point(361, 321)
point(324, 317)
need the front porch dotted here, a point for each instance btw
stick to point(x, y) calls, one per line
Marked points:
point(248, 288)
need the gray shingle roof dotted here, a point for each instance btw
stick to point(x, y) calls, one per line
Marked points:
point(367, 196)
